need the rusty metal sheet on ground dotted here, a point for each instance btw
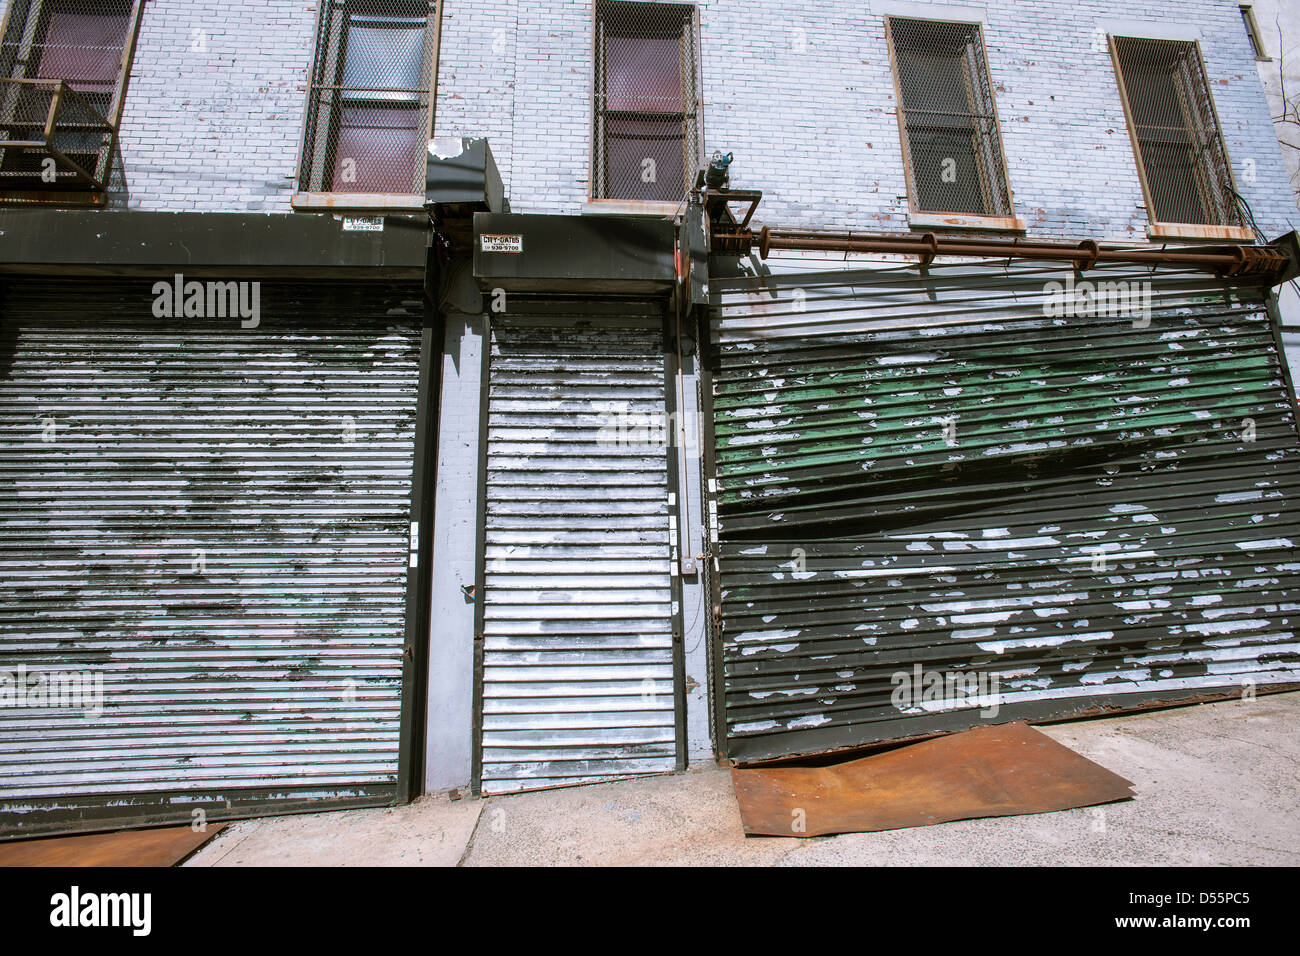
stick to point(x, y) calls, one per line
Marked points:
point(159, 846)
point(986, 772)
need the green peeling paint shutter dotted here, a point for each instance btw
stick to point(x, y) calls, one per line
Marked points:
point(946, 476)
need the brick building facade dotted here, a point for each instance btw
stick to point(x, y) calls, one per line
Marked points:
point(803, 93)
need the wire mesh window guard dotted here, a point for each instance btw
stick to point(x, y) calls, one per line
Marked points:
point(951, 142)
point(368, 119)
point(62, 74)
point(645, 143)
point(1184, 166)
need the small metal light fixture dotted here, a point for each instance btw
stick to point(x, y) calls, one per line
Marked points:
point(718, 174)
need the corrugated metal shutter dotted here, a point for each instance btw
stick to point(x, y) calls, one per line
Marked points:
point(939, 475)
point(578, 617)
point(213, 521)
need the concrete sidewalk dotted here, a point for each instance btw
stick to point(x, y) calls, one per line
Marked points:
point(1215, 783)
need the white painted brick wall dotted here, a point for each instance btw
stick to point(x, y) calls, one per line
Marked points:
point(213, 113)
point(816, 130)
point(800, 90)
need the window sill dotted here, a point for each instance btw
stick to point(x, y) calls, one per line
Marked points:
point(958, 220)
point(40, 197)
point(1191, 230)
point(629, 207)
point(357, 202)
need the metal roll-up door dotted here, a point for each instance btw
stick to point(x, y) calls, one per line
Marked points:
point(211, 523)
point(956, 497)
point(580, 601)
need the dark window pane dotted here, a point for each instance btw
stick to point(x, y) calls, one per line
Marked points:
point(953, 144)
point(1171, 167)
point(83, 44)
point(1186, 170)
point(645, 133)
point(644, 73)
point(367, 114)
point(933, 82)
point(377, 150)
point(945, 168)
point(644, 159)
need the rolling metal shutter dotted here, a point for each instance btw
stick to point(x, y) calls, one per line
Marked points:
point(213, 521)
point(939, 475)
point(579, 649)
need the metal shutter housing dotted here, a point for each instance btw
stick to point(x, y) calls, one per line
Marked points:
point(860, 538)
point(579, 651)
point(213, 521)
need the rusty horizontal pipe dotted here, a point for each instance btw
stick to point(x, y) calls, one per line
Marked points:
point(1016, 250)
point(1264, 261)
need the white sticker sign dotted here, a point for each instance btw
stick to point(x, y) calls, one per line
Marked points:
point(363, 224)
point(501, 242)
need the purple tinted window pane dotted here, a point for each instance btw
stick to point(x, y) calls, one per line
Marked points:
point(378, 148)
point(643, 73)
point(644, 159)
point(83, 47)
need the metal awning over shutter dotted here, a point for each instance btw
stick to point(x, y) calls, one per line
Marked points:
point(211, 523)
point(978, 475)
point(580, 658)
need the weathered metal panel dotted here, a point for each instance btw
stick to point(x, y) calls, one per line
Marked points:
point(578, 645)
point(552, 254)
point(158, 244)
point(943, 471)
point(984, 772)
point(213, 521)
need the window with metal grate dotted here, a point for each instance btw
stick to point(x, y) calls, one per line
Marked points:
point(952, 146)
point(63, 70)
point(645, 125)
point(1182, 161)
point(368, 110)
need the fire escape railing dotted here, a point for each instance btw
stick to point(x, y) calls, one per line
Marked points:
point(52, 138)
